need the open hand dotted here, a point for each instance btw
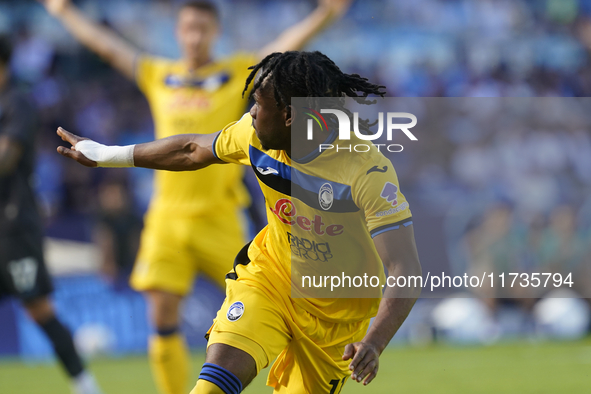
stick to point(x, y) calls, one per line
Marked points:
point(73, 139)
point(365, 363)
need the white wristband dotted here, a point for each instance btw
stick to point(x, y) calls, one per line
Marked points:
point(107, 156)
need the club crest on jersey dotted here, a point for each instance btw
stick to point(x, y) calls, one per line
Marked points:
point(326, 196)
point(236, 311)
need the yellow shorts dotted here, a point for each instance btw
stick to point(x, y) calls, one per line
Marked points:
point(268, 326)
point(174, 249)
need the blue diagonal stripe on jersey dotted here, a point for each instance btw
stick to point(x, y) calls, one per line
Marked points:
point(306, 181)
point(262, 160)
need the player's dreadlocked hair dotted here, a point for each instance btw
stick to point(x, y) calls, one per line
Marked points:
point(309, 74)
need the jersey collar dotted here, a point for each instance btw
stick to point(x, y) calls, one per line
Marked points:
point(315, 153)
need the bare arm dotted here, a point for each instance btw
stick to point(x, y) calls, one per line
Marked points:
point(297, 36)
point(10, 153)
point(185, 152)
point(99, 39)
point(398, 251)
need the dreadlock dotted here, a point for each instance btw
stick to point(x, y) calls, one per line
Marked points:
point(309, 74)
point(312, 75)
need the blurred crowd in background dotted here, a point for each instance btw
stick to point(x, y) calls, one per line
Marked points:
point(507, 173)
point(507, 183)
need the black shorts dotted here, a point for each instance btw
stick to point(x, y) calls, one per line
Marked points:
point(23, 273)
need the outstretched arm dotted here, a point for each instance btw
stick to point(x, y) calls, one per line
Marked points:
point(398, 252)
point(99, 39)
point(297, 36)
point(184, 152)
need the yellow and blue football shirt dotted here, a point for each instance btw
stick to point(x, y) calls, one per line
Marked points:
point(322, 213)
point(201, 101)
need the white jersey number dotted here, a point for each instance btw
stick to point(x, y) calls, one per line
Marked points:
point(24, 273)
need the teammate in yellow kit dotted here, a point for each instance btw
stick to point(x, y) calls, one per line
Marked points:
point(350, 203)
point(189, 228)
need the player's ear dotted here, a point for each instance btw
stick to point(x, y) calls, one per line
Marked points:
point(290, 114)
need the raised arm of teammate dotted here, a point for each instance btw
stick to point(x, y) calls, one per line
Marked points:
point(98, 38)
point(297, 36)
point(398, 252)
point(184, 152)
point(122, 55)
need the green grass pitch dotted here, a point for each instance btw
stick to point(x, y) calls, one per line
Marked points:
point(509, 368)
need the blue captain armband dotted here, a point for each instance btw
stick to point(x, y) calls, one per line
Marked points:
point(221, 377)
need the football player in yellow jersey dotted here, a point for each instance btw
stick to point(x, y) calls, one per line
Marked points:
point(367, 223)
point(189, 229)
